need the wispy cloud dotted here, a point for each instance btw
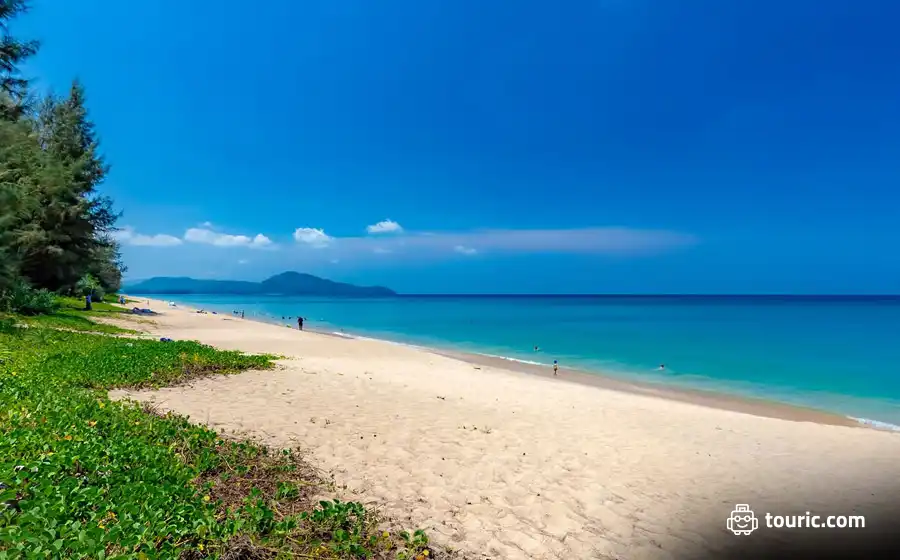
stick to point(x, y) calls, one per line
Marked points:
point(312, 237)
point(128, 236)
point(210, 237)
point(602, 240)
point(385, 226)
point(592, 241)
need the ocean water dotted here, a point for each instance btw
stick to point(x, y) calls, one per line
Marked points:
point(840, 354)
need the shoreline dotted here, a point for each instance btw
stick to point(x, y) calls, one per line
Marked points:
point(761, 407)
point(501, 460)
point(745, 404)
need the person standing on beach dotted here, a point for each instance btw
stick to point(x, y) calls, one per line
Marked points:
point(555, 368)
point(300, 323)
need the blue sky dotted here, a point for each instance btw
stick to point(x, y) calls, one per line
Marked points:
point(584, 146)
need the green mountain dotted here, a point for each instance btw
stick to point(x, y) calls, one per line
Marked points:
point(284, 284)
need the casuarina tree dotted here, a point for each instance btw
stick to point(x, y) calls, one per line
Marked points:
point(55, 227)
point(71, 222)
point(13, 88)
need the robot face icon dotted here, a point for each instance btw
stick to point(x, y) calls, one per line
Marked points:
point(742, 521)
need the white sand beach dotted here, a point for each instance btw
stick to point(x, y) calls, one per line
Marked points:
point(508, 464)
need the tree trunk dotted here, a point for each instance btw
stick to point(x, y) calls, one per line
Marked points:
point(87, 302)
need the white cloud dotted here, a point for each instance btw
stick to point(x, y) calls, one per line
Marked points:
point(313, 237)
point(207, 225)
point(243, 261)
point(128, 236)
point(335, 261)
point(381, 251)
point(385, 226)
point(209, 237)
point(261, 240)
point(465, 250)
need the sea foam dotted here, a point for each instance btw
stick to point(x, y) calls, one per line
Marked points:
point(876, 424)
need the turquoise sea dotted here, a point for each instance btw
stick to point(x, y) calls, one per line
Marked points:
point(840, 354)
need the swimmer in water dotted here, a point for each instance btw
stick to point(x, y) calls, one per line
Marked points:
point(536, 348)
point(662, 367)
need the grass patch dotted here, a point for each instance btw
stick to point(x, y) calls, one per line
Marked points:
point(72, 316)
point(84, 477)
point(70, 321)
point(114, 298)
point(98, 308)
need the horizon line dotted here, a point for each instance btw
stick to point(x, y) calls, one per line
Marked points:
point(563, 295)
point(647, 294)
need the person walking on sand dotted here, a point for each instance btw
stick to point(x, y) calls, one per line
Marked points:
point(555, 368)
point(300, 322)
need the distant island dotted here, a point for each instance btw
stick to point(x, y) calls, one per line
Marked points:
point(284, 284)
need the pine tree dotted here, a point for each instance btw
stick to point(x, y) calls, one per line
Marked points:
point(55, 229)
point(13, 88)
point(69, 137)
point(67, 224)
point(48, 231)
point(15, 152)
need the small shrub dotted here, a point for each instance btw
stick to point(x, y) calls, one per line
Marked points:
point(7, 325)
point(23, 299)
point(90, 286)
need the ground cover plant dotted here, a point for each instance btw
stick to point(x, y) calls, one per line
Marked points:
point(85, 477)
point(68, 313)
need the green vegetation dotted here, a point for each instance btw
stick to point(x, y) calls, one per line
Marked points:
point(56, 230)
point(90, 288)
point(64, 321)
point(86, 477)
point(68, 313)
point(71, 315)
point(22, 298)
point(82, 476)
